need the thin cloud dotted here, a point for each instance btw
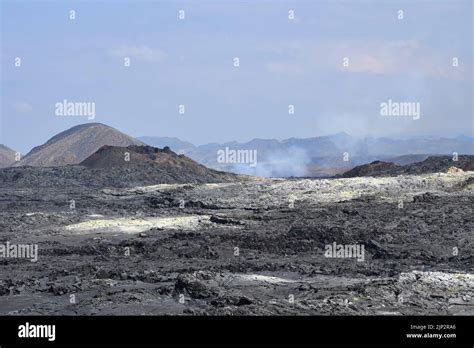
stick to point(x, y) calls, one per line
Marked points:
point(396, 58)
point(371, 57)
point(22, 107)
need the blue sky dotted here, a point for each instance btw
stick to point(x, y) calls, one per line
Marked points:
point(190, 62)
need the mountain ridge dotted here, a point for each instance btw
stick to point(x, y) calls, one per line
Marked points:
point(75, 144)
point(326, 155)
point(7, 156)
point(432, 164)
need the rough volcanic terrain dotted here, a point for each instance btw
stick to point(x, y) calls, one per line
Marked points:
point(254, 247)
point(115, 166)
point(432, 164)
point(372, 169)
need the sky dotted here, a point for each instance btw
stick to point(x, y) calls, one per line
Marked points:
point(335, 62)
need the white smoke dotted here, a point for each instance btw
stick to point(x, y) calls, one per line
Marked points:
point(293, 162)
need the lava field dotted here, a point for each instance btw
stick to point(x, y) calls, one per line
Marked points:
point(244, 247)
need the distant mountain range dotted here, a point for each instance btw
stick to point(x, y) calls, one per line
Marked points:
point(317, 156)
point(177, 145)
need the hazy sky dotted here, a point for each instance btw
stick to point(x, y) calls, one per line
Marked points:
point(190, 61)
